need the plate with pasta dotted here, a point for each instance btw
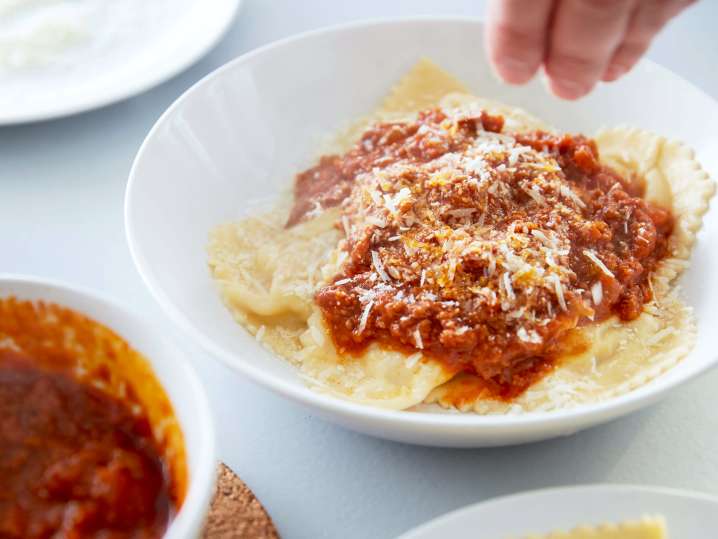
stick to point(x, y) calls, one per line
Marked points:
point(581, 512)
point(421, 253)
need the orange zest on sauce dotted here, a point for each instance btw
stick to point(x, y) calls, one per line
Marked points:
point(480, 248)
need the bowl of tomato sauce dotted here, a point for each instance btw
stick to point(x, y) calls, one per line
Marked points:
point(105, 429)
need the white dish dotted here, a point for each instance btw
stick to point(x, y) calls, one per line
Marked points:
point(240, 135)
point(688, 515)
point(172, 370)
point(61, 58)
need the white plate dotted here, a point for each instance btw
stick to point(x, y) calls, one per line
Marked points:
point(172, 369)
point(240, 134)
point(62, 57)
point(689, 515)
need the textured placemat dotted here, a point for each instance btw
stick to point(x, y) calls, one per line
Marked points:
point(236, 512)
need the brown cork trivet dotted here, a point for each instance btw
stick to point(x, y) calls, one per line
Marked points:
point(236, 512)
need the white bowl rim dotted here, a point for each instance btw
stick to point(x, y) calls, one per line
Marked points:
point(579, 415)
point(196, 500)
point(573, 489)
point(172, 68)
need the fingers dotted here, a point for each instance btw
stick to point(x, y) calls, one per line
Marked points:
point(649, 17)
point(625, 58)
point(579, 42)
point(516, 37)
point(583, 38)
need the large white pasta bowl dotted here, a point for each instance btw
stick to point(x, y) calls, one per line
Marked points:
point(238, 137)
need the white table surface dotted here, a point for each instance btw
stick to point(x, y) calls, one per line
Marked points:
point(61, 198)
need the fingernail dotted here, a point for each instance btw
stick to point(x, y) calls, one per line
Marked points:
point(514, 71)
point(569, 89)
point(613, 72)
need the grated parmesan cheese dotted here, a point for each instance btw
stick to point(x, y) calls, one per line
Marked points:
point(536, 195)
point(376, 221)
point(597, 293)
point(543, 237)
point(389, 203)
point(508, 287)
point(393, 272)
point(568, 193)
point(594, 258)
point(417, 338)
point(379, 266)
point(529, 336)
point(365, 317)
point(558, 288)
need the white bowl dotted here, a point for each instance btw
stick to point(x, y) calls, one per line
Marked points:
point(687, 514)
point(173, 371)
point(241, 133)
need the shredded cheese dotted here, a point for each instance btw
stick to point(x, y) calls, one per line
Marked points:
point(365, 317)
point(558, 289)
point(594, 258)
point(529, 336)
point(417, 338)
point(568, 193)
point(389, 203)
point(597, 293)
point(379, 266)
point(508, 287)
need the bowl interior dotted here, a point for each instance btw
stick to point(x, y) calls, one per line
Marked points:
point(236, 139)
point(175, 376)
point(687, 514)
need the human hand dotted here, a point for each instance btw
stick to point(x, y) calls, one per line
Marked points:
point(578, 42)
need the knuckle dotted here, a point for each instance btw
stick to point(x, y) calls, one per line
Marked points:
point(633, 48)
point(628, 54)
point(514, 48)
point(572, 66)
point(519, 39)
point(603, 8)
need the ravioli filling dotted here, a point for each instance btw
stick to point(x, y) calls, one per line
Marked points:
point(478, 247)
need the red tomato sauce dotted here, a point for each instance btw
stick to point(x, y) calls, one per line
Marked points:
point(75, 460)
point(403, 287)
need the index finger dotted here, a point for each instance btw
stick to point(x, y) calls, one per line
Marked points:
point(516, 37)
point(583, 38)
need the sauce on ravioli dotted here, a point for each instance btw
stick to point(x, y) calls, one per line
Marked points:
point(478, 247)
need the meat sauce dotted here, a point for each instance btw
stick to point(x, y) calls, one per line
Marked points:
point(479, 248)
point(74, 460)
point(329, 182)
